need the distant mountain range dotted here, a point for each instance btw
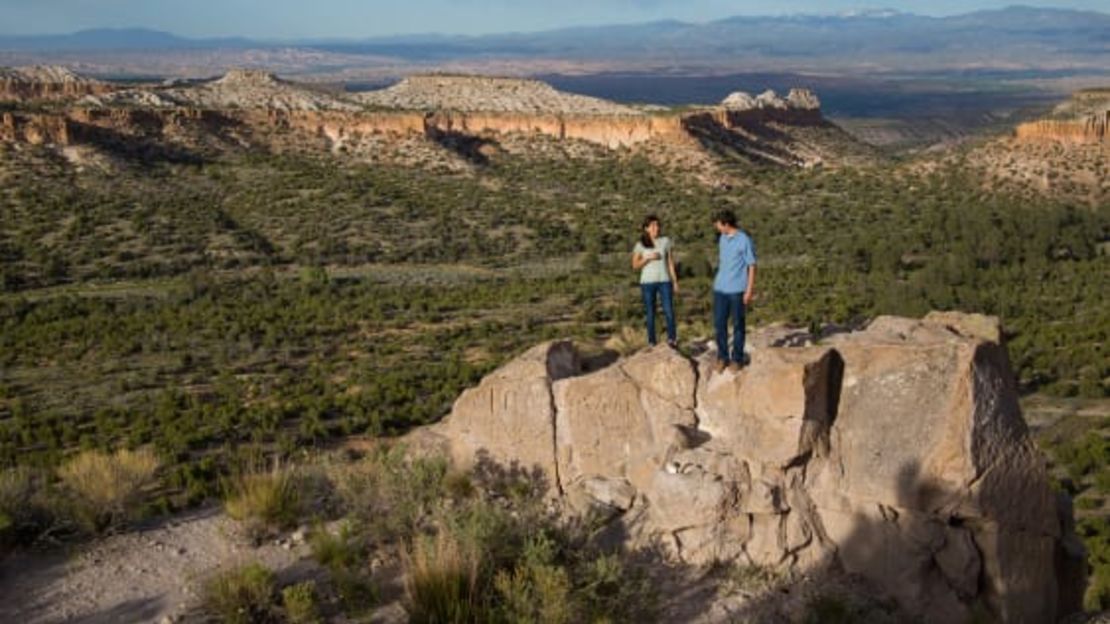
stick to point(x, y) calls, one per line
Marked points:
point(116, 39)
point(1014, 39)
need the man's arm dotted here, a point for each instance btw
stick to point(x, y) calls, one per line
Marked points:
point(672, 271)
point(751, 285)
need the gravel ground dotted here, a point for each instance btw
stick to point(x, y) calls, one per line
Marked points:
point(147, 575)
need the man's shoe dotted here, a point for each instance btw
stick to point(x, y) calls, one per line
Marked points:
point(720, 366)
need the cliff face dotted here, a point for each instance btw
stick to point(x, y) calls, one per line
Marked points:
point(612, 131)
point(37, 83)
point(1084, 118)
point(898, 454)
point(34, 129)
point(1091, 129)
point(251, 108)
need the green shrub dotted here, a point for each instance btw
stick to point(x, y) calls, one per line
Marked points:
point(339, 551)
point(356, 591)
point(458, 485)
point(242, 595)
point(388, 492)
point(18, 489)
point(300, 603)
point(826, 609)
point(537, 590)
point(1088, 502)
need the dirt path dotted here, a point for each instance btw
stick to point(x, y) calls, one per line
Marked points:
point(147, 575)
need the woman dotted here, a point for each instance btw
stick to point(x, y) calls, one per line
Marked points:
point(654, 258)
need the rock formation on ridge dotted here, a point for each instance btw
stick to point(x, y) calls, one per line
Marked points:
point(46, 82)
point(897, 453)
point(798, 99)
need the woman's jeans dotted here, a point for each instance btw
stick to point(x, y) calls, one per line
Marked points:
point(724, 306)
point(664, 291)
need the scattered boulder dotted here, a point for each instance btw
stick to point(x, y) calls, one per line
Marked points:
point(897, 453)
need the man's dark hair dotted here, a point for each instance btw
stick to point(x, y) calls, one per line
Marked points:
point(725, 216)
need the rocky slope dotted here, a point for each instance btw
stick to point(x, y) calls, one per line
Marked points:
point(898, 454)
point(46, 82)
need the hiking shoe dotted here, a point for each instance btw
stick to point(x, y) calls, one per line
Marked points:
point(720, 366)
point(734, 367)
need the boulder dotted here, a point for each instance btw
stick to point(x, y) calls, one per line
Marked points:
point(897, 453)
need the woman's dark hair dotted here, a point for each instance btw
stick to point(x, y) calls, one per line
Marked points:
point(645, 240)
point(725, 216)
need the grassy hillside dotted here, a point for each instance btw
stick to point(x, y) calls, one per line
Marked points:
point(277, 303)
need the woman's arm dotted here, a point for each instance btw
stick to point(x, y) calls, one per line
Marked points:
point(640, 259)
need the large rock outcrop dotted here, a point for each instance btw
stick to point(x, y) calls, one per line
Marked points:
point(1089, 129)
point(46, 82)
point(1084, 118)
point(897, 453)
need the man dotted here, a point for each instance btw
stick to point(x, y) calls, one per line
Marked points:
point(732, 289)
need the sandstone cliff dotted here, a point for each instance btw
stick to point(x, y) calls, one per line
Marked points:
point(897, 453)
point(46, 82)
point(256, 109)
point(1092, 128)
point(1085, 118)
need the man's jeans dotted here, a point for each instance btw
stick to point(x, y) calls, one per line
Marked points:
point(664, 291)
point(725, 305)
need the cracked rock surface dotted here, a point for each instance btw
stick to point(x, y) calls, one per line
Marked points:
point(897, 453)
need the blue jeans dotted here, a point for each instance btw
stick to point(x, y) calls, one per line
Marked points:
point(665, 291)
point(724, 306)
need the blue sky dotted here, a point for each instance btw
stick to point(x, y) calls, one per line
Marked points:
point(366, 18)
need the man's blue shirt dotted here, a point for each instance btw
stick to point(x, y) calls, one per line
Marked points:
point(737, 253)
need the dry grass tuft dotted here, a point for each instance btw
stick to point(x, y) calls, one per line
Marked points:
point(441, 581)
point(106, 488)
point(264, 500)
